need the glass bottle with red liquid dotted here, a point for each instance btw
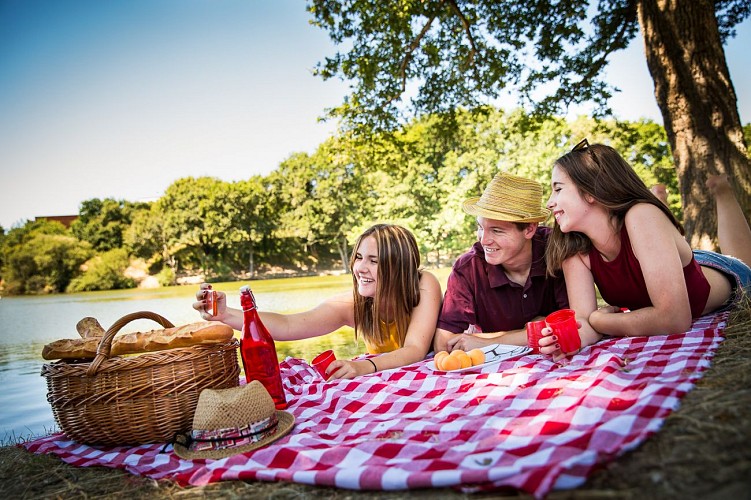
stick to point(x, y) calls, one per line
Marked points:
point(258, 351)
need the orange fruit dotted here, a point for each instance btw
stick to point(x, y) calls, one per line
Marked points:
point(438, 359)
point(477, 356)
point(463, 358)
point(449, 363)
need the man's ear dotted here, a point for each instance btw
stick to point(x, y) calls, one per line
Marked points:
point(530, 230)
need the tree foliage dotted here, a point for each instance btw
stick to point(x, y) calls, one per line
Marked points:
point(103, 222)
point(250, 214)
point(104, 272)
point(41, 257)
point(307, 213)
point(194, 219)
point(453, 54)
point(414, 58)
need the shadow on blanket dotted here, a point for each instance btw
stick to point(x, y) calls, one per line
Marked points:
point(526, 423)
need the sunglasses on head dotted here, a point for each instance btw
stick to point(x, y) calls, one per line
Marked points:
point(583, 145)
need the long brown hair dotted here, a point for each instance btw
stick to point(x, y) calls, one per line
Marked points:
point(600, 172)
point(397, 284)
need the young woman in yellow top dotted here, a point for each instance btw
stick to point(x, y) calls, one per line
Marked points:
point(393, 306)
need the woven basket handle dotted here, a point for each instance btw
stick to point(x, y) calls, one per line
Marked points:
point(105, 345)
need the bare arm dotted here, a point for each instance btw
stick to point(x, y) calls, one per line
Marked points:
point(657, 245)
point(417, 342)
point(328, 316)
point(580, 287)
point(441, 338)
point(467, 342)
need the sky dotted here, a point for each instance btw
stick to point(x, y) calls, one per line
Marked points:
point(120, 98)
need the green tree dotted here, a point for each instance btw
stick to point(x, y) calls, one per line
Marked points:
point(104, 272)
point(103, 222)
point(194, 219)
point(252, 221)
point(446, 54)
point(146, 238)
point(405, 172)
point(42, 257)
point(337, 205)
point(322, 196)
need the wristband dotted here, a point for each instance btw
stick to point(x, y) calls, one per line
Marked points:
point(375, 368)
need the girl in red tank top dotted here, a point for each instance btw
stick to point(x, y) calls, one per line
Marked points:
point(612, 232)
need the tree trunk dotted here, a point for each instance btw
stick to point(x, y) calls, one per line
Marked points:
point(698, 105)
point(342, 247)
point(251, 261)
point(204, 266)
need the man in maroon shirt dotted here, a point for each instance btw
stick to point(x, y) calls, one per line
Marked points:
point(501, 283)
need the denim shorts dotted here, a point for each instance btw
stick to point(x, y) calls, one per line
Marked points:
point(738, 273)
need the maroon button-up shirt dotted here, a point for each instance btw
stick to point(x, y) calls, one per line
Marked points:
point(481, 294)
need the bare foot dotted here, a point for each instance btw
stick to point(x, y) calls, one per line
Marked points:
point(661, 192)
point(719, 184)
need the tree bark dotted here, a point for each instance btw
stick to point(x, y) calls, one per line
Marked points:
point(251, 259)
point(342, 247)
point(698, 105)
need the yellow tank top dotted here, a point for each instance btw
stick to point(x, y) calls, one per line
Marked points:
point(392, 342)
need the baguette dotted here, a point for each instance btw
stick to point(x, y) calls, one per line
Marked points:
point(204, 332)
point(89, 327)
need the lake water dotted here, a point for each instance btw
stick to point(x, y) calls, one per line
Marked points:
point(28, 323)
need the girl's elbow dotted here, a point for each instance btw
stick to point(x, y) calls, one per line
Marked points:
point(681, 324)
point(676, 323)
point(413, 354)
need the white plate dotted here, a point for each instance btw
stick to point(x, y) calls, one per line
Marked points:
point(494, 354)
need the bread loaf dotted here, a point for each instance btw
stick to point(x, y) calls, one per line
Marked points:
point(204, 332)
point(89, 327)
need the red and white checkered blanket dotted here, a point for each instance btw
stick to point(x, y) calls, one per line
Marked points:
point(527, 423)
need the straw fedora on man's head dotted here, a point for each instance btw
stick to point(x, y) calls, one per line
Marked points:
point(232, 421)
point(509, 198)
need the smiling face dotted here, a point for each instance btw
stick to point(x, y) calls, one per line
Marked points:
point(503, 242)
point(365, 267)
point(570, 209)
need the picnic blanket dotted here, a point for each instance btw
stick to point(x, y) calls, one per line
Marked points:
point(527, 423)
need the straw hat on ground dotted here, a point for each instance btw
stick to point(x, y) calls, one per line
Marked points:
point(232, 421)
point(509, 198)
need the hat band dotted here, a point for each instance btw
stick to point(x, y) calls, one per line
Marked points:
point(230, 437)
point(506, 210)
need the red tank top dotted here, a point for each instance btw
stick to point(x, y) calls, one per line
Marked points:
point(621, 281)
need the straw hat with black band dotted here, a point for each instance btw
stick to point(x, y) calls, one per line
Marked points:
point(232, 421)
point(509, 198)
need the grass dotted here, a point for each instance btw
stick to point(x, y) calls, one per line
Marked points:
point(702, 451)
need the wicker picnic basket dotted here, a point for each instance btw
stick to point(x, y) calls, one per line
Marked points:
point(145, 398)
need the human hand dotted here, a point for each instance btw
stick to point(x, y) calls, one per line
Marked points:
point(343, 369)
point(549, 344)
point(201, 302)
point(597, 317)
point(464, 342)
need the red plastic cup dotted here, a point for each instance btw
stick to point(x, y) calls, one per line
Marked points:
point(534, 334)
point(322, 361)
point(563, 324)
